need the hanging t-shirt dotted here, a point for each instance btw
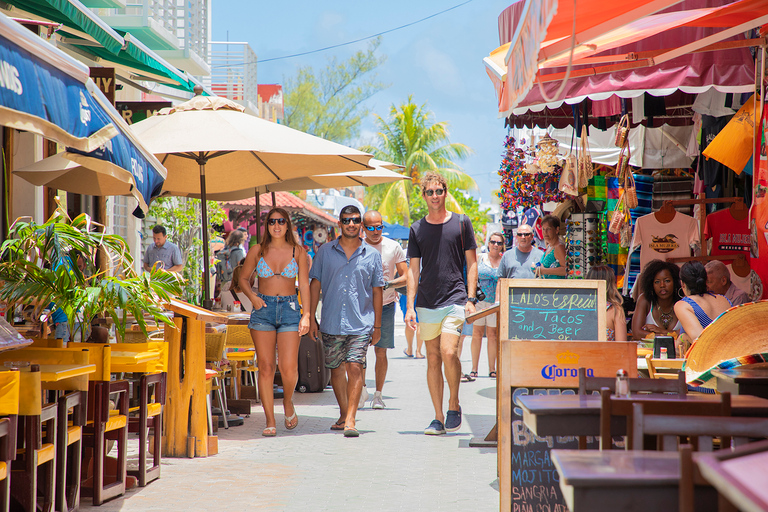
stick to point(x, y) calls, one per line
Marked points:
point(391, 255)
point(710, 170)
point(441, 280)
point(729, 236)
point(664, 241)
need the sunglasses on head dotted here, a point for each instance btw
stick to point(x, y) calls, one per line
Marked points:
point(279, 220)
point(436, 192)
point(374, 228)
point(353, 220)
point(496, 242)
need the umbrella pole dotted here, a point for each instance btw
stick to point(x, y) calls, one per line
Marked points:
point(258, 218)
point(207, 302)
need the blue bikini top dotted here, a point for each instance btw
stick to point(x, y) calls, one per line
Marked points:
point(290, 271)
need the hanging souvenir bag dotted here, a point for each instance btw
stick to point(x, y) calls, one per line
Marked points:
point(630, 190)
point(585, 168)
point(617, 218)
point(626, 233)
point(622, 131)
point(569, 178)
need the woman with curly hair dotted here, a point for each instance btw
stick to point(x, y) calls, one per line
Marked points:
point(659, 285)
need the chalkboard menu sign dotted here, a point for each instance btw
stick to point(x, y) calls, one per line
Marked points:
point(535, 481)
point(554, 310)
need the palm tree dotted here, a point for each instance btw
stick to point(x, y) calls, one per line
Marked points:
point(410, 138)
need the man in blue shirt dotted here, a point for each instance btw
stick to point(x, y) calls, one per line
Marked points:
point(163, 253)
point(349, 273)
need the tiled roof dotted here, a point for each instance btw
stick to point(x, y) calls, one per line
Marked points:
point(284, 200)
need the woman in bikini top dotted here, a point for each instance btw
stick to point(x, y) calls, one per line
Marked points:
point(277, 319)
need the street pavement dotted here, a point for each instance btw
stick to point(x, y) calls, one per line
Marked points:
point(391, 466)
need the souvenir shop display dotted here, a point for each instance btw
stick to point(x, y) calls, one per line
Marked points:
point(584, 242)
point(665, 234)
point(521, 184)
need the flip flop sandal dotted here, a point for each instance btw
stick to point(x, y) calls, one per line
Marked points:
point(467, 378)
point(492, 375)
point(473, 374)
point(269, 432)
point(289, 420)
point(338, 425)
point(351, 432)
point(407, 354)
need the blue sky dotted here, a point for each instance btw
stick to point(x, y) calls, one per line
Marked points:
point(438, 61)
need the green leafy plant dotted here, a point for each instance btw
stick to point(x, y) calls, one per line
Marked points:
point(40, 266)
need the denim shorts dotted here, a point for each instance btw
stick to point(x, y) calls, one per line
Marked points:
point(387, 327)
point(281, 313)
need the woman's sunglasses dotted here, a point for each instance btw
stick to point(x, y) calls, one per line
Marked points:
point(374, 228)
point(280, 221)
point(353, 220)
point(496, 242)
point(436, 192)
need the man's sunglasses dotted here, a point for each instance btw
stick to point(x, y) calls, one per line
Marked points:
point(374, 228)
point(496, 242)
point(436, 192)
point(525, 234)
point(279, 220)
point(353, 220)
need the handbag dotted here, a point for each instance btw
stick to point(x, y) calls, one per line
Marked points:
point(617, 218)
point(569, 179)
point(585, 168)
point(630, 190)
point(622, 131)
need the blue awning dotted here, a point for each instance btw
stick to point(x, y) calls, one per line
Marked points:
point(124, 152)
point(44, 91)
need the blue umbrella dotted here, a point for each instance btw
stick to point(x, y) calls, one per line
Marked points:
point(396, 231)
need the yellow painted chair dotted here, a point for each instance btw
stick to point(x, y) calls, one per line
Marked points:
point(70, 413)
point(241, 352)
point(149, 413)
point(34, 469)
point(214, 353)
point(9, 408)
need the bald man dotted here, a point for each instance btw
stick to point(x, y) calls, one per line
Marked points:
point(719, 281)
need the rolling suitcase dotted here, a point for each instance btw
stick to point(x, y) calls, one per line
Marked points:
point(313, 375)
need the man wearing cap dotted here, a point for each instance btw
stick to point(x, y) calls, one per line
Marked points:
point(520, 261)
point(719, 281)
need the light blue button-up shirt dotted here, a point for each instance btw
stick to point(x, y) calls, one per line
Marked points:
point(347, 286)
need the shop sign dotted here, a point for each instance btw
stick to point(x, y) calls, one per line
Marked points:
point(523, 56)
point(104, 78)
point(135, 111)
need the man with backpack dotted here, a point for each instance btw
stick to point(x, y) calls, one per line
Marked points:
point(228, 258)
point(439, 246)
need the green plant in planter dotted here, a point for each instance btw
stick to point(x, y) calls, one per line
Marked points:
point(39, 266)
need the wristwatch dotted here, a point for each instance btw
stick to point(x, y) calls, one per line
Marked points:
point(473, 300)
point(386, 285)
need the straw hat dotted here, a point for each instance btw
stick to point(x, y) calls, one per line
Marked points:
point(735, 338)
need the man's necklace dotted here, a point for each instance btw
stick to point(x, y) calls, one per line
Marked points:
point(665, 317)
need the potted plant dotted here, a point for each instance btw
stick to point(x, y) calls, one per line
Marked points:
point(39, 266)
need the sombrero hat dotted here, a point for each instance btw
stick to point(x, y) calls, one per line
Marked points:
point(737, 337)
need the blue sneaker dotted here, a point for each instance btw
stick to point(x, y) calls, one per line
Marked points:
point(435, 428)
point(453, 420)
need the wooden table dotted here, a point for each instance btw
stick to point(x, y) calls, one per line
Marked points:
point(119, 358)
point(60, 372)
point(743, 380)
point(579, 415)
point(611, 480)
point(739, 475)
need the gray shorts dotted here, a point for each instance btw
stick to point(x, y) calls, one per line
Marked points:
point(340, 348)
point(387, 327)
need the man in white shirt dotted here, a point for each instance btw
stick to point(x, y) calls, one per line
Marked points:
point(393, 261)
point(719, 281)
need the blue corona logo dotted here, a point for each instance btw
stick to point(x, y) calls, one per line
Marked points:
point(553, 372)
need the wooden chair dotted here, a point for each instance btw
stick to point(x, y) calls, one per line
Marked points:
point(242, 354)
point(71, 417)
point(102, 426)
point(34, 469)
point(664, 368)
point(9, 408)
point(149, 413)
point(701, 429)
point(611, 406)
point(214, 352)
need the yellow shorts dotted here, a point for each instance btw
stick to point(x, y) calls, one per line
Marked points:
point(433, 322)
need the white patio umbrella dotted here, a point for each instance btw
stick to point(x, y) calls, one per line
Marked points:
point(212, 137)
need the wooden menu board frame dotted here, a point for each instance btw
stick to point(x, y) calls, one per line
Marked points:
point(562, 302)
